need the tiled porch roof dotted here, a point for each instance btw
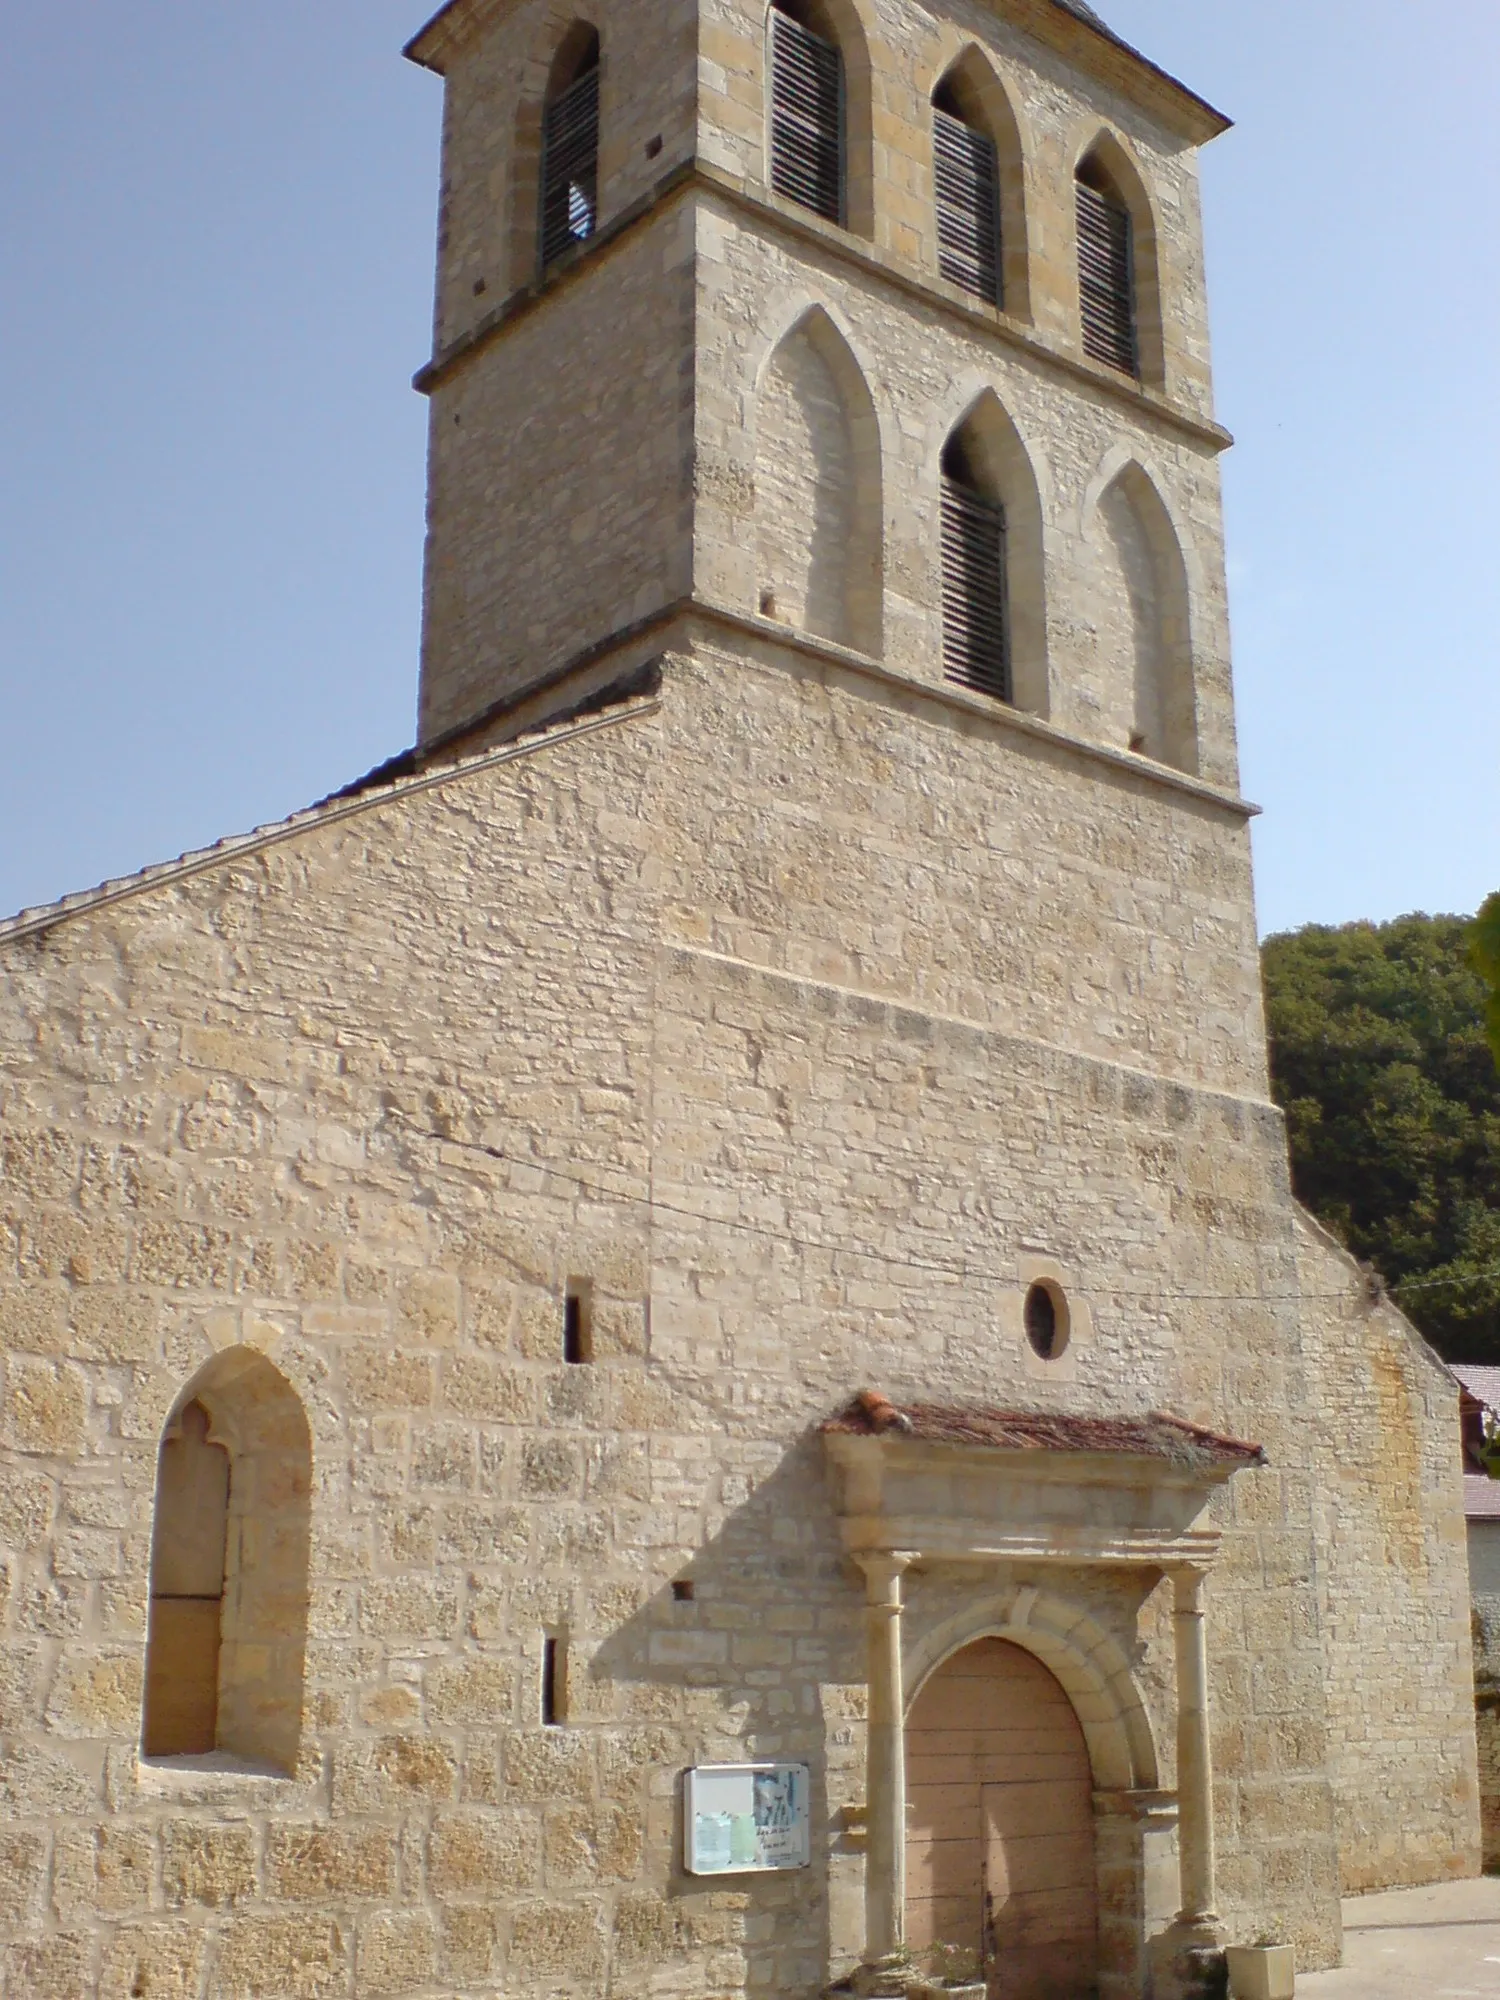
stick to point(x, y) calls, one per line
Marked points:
point(872, 1414)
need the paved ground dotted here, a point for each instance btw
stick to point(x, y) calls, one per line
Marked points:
point(1417, 1944)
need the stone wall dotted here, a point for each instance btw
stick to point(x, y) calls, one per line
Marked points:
point(1484, 1584)
point(1393, 1564)
point(363, 1100)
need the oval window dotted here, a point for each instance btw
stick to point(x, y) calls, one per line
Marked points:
point(1046, 1320)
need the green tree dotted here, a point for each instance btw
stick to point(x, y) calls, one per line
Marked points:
point(1484, 950)
point(1379, 1058)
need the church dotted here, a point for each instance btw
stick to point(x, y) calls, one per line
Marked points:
point(664, 1352)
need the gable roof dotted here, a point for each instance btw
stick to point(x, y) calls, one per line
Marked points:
point(396, 778)
point(1086, 14)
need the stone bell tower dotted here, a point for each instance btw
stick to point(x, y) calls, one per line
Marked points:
point(840, 369)
point(616, 445)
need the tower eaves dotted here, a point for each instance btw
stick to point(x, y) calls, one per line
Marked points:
point(430, 47)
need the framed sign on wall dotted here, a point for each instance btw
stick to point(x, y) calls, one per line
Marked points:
point(747, 1819)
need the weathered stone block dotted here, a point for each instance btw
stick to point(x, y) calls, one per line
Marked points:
point(310, 1864)
point(483, 1853)
point(96, 1693)
point(164, 1961)
point(46, 1407)
point(552, 1938)
point(396, 1953)
point(23, 1872)
point(54, 1968)
point(281, 1958)
point(589, 1843)
point(110, 1868)
point(377, 1380)
point(471, 1690)
point(207, 1864)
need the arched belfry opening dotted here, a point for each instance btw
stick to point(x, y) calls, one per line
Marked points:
point(979, 186)
point(976, 609)
point(569, 172)
point(819, 105)
point(1119, 298)
point(993, 613)
point(227, 1634)
point(818, 489)
point(1001, 1867)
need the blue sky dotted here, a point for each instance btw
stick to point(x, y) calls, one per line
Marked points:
point(218, 284)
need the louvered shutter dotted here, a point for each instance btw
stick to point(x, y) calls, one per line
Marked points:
point(976, 642)
point(968, 207)
point(570, 167)
point(1106, 285)
point(807, 118)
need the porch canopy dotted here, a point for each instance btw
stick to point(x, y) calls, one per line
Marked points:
point(924, 1484)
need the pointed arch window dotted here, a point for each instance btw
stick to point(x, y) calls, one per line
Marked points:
point(976, 609)
point(1106, 271)
point(570, 150)
point(807, 115)
point(966, 167)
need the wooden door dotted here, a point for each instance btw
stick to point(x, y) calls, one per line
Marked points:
point(1000, 1842)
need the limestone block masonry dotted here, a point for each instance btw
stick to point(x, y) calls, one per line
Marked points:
point(521, 1156)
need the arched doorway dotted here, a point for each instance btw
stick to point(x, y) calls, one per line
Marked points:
point(1000, 1826)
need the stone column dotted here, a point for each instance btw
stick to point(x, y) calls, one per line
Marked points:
point(885, 1771)
point(1195, 1782)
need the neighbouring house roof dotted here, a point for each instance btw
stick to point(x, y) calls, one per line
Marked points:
point(1482, 1383)
point(1481, 1497)
point(872, 1414)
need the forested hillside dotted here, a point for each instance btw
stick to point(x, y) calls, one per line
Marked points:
point(1380, 1060)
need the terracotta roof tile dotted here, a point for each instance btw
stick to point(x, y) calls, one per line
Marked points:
point(872, 1414)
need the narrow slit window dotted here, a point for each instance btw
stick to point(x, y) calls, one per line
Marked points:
point(578, 1328)
point(807, 117)
point(554, 1682)
point(570, 165)
point(967, 170)
point(188, 1557)
point(1106, 274)
point(976, 620)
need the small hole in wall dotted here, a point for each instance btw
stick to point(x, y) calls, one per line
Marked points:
point(578, 1328)
point(1047, 1320)
point(554, 1682)
point(684, 1590)
point(481, 286)
point(653, 147)
point(1137, 741)
point(768, 604)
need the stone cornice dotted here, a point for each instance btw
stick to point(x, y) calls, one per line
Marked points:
point(788, 221)
point(1092, 46)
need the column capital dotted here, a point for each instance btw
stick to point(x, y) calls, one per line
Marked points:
point(1188, 1580)
point(884, 1569)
